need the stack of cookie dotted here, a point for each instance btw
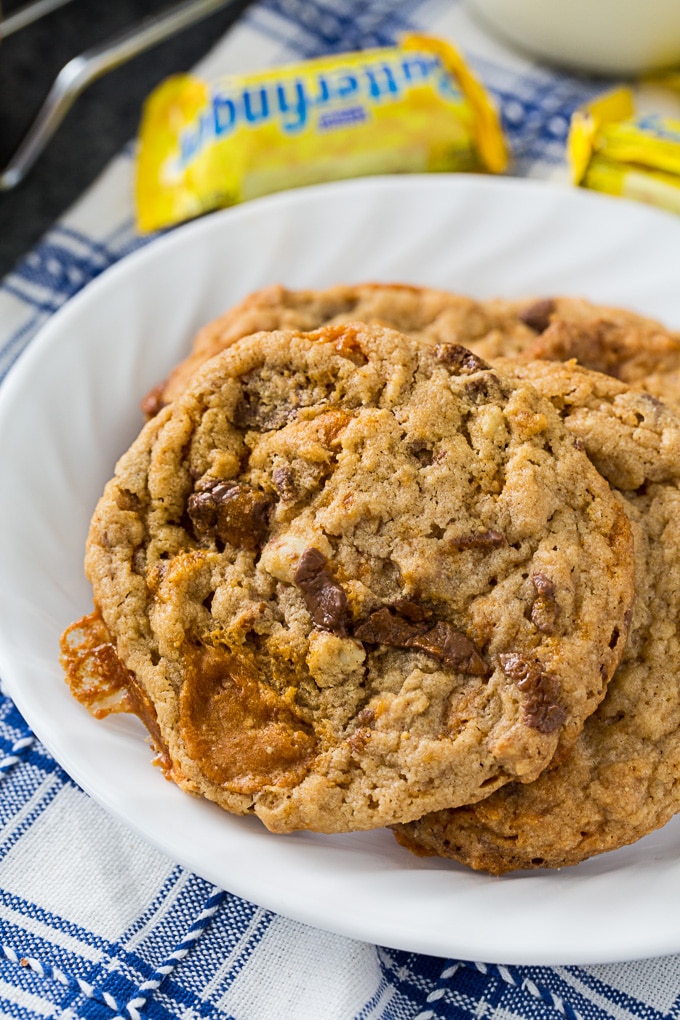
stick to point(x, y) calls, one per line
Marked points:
point(389, 556)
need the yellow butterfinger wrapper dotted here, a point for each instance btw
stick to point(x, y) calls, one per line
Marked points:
point(614, 151)
point(650, 186)
point(412, 108)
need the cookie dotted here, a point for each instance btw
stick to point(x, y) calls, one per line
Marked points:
point(617, 342)
point(619, 781)
point(354, 579)
point(436, 315)
point(630, 435)
point(613, 341)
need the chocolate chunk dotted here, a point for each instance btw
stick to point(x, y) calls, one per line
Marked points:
point(537, 316)
point(411, 610)
point(542, 710)
point(386, 628)
point(544, 608)
point(488, 539)
point(325, 599)
point(127, 500)
point(229, 512)
point(284, 481)
point(251, 413)
point(595, 343)
point(453, 648)
point(483, 387)
point(517, 667)
point(365, 717)
point(422, 451)
point(442, 641)
point(543, 584)
point(654, 402)
point(459, 360)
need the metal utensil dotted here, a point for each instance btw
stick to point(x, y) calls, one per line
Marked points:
point(27, 14)
point(85, 68)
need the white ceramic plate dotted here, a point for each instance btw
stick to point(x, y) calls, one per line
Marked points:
point(70, 407)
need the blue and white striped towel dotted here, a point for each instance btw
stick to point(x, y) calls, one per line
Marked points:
point(94, 923)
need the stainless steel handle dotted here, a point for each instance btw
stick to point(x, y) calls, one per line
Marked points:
point(27, 15)
point(82, 70)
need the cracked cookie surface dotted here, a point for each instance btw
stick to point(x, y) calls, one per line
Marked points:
point(354, 579)
point(619, 781)
point(614, 341)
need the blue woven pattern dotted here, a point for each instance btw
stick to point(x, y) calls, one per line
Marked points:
point(190, 949)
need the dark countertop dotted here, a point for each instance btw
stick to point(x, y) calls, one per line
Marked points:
point(103, 118)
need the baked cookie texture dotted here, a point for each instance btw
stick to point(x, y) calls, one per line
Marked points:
point(614, 341)
point(630, 435)
point(620, 780)
point(354, 579)
point(421, 312)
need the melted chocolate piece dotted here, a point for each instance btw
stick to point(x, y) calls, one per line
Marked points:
point(386, 628)
point(654, 401)
point(365, 717)
point(230, 512)
point(442, 641)
point(489, 539)
point(543, 584)
point(542, 711)
point(453, 648)
point(325, 599)
point(537, 316)
point(544, 608)
point(282, 478)
point(459, 360)
point(411, 610)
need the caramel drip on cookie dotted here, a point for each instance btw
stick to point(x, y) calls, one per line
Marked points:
point(101, 682)
point(241, 734)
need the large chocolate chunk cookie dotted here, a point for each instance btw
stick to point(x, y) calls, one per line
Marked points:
point(620, 343)
point(620, 781)
point(354, 579)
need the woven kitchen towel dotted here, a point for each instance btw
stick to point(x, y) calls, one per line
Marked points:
point(94, 923)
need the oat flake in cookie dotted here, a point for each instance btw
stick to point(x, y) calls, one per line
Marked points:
point(620, 781)
point(353, 579)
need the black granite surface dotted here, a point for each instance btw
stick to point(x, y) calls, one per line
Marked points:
point(104, 117)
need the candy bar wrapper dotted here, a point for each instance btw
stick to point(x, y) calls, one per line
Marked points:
point(650, 186)
point(411, 108)
point(612, 150)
